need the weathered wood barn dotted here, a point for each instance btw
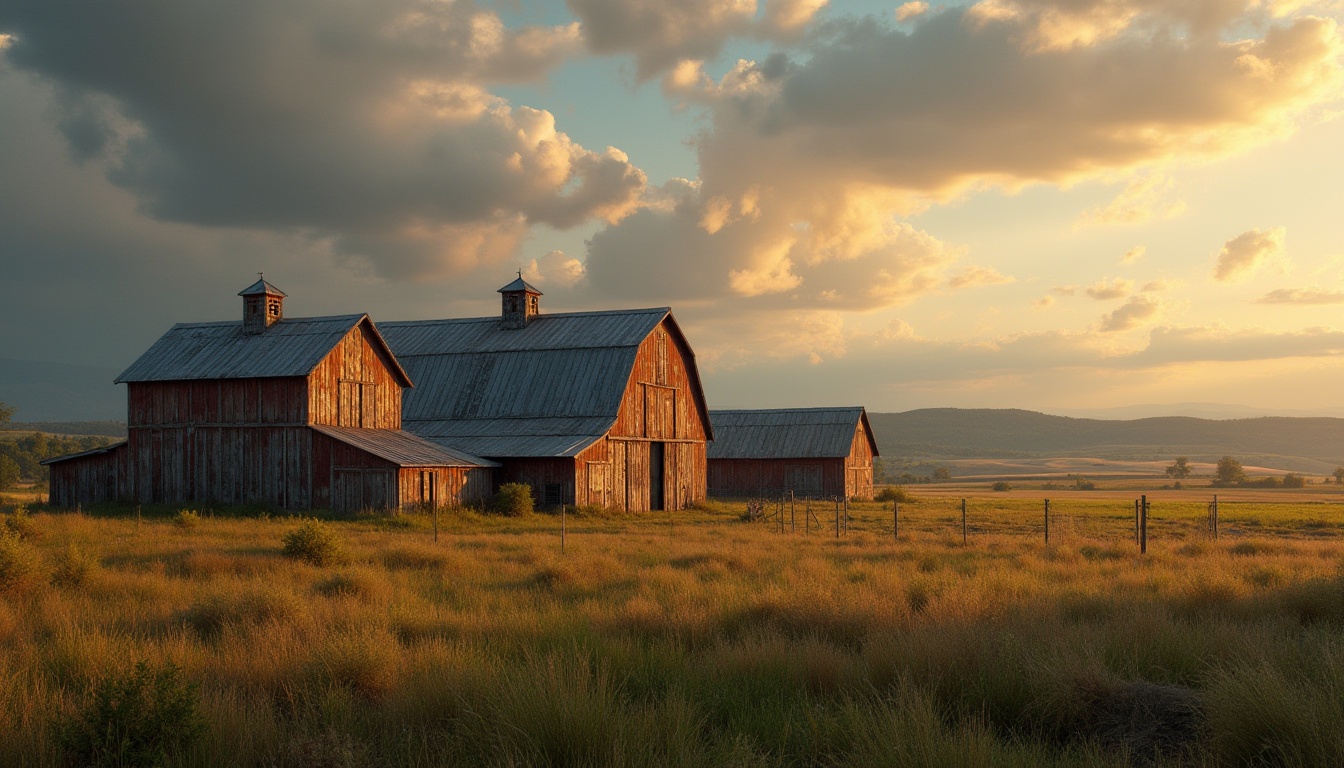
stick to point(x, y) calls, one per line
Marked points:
point(293, 413)
point(601, 408)
point(813, 452)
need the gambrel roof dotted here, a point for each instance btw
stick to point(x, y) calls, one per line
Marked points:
point(787, 433)
point(551, 388)
point(221, 350)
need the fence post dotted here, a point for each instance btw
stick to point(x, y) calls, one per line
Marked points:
point(1047, 521)
point(562, 529)
point(793, 525)
point(434, 510)
point(1215, 517)
point(1143, 525)
point(837, 518)
point(807, 518)
point(963, 522)
point(137, 518)
point(895, 521)
point(1136, 521)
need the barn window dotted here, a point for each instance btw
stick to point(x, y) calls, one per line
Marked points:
point(552, 495)
point(274, 307)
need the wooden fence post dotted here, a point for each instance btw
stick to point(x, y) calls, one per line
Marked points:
point(896, 521)
point(1047, 521)
point(434, 510)
point(1215, 517)
point(562, 529)
point(837, 518)
point(793, 524)
point(1136, 521)
point(1143, 525)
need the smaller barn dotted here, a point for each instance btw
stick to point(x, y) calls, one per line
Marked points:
point(811, 452)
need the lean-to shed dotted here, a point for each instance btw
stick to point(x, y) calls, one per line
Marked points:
point(813, 452)
point(293, 413)
point(602, 408)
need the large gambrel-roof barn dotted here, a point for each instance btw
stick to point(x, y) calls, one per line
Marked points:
point(811, 452)
point(602, 408)
point(293, 413)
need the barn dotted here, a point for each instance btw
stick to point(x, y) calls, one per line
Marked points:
point(588, 408)
point(291, 413)
point(812, 452)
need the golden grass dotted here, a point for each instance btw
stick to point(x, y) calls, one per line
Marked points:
point(693, 639)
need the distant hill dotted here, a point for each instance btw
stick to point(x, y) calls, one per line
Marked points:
point(1313, 445)
point(60, 391)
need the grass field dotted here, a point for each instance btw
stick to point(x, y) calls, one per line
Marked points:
point(693, 638)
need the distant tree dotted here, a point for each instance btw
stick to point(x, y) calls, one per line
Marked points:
point(1003, 485)
point(1229, 471)
point(942, 473)
point(1294, 480)
point(1181, 469)
point(9, 473)
point(1339, 475)
point(6, 413)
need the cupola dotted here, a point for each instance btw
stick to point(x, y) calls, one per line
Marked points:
point(520, 303)
point(263, 305)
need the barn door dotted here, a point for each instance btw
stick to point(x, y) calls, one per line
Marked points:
point(656, 471)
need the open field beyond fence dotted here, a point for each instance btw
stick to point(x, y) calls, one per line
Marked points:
point(684, 639)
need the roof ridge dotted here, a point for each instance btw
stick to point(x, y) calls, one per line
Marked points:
point(542, 316)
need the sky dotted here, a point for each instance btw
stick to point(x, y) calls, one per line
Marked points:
point(1041, 204)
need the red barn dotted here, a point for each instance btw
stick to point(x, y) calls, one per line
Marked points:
point(601, 408)
point(293, 413)
point(813, 452)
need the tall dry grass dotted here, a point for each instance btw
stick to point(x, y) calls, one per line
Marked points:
point(681, 640)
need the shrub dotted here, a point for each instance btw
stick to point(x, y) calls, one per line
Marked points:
point(894, 493)
point(20, 566)
point(512, 499)
point(72, 567)
point(139, 718)
point(1083, 484)
point(316, 543)
point(1294, 480)
point(1003, 485)
point(186, 519)
point(21, 525)
point(209, 616)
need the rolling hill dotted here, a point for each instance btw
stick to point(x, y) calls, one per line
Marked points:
point(1314, 445)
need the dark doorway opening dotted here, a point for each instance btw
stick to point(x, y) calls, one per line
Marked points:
point(655, 476)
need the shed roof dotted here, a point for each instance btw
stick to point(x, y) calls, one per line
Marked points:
point(787, 433)
point(550, 388)
point(519, 285)
point(221, 350)
point(84, 454)
point(402, 448)
point(262, 288)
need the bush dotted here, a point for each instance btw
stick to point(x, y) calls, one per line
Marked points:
point(186, 519)
point(894, 493)
point(73, 567)
point(21, 525)
point(19, 563)
point(316, 543)
point(1002, 485)
point(136, 719)
point(512, 499)
point(1294, 480)
point(1083, 484)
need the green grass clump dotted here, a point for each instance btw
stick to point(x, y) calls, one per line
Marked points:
point(19, 523)
point(72, 567)
point(892, 493)
point(186, 519)
point(20, 563)
point(512, 500)
point(316, 543)
point(143, 718)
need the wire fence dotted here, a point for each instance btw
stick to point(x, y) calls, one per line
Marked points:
point(1138, 522)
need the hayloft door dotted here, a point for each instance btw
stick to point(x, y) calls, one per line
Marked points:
point(656, 469)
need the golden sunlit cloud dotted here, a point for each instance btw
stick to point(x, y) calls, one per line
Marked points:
point(1244, 254)
point(1304, 296)
point(1133, 255)
point(1139, 310)
point(1143, 200)
point(1116, 289)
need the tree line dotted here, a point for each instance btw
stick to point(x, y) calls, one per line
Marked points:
point(21, 454)
point(1229, 472)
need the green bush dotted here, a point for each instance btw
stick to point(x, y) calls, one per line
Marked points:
point(1003, 485)
point(186, 519)
point(72, 567)
point(1294, 480)
point(21, 525)
point(140, 718)
point(894, 493)
point(316, 543)
point(512, 499)
point(20, 566)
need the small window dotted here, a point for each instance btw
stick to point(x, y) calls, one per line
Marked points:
point(274, 308)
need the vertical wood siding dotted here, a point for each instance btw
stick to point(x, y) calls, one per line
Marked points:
point(859, 466)
point(354, 386)
point(445, 487)
point(89, 479)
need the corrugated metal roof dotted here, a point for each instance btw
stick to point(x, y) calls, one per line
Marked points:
point(221, 350)
point(262, 288)
point(504, 438)
point(82, 454)
point(520, 285)
point(786, 433)
point(402, 448)
point(563, 330)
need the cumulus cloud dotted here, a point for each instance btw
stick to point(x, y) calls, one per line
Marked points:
point(1144, 199)
point(1115, 289)
point(1139, 310)
point(1303, 296)
point(911, 10)
point(1133, 255)
point(555, 268)
point(369, 125)
point(973, 276)
point(661, 34)
point(1244, 254)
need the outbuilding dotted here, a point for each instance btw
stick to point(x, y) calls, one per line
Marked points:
point(811, 452)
